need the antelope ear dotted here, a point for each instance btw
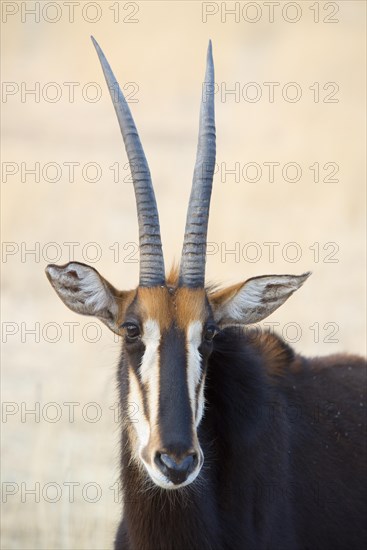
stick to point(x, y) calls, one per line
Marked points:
point(84, 291)
point(255, 299)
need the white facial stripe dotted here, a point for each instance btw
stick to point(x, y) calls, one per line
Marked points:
point(149, 376)
point(138, 420)
point(194, 332)
point(149, 365)
point(149, 368)
point(201, 403)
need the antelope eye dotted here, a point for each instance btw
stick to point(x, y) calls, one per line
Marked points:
point(132, 330)
point(209, 333)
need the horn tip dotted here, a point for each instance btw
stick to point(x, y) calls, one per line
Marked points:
point(210, 53)
point(96, 45)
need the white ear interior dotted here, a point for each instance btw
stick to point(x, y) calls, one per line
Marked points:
point(257, 298)
point(82, 289)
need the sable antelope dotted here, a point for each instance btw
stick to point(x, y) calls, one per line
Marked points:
point(206, 466)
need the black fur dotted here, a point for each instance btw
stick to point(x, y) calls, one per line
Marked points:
point(284, 453)
point(175, 421)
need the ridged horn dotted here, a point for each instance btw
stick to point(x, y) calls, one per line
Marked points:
point(151, 255)
point(192, 268)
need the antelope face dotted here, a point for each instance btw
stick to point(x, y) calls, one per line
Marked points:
point(168, 337)
point(167, 327)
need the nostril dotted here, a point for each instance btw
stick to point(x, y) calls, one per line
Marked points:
point(190, 462)
point(160, 462)
point(177, 470)
point(168, 461)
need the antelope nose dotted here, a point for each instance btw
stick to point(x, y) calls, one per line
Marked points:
point(176, 470)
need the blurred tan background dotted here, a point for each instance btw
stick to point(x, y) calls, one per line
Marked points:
point(159, 49)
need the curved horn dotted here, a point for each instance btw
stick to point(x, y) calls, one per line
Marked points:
point(192, 268)
point(151, 255)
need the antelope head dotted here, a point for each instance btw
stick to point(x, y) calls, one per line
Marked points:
point(168, 326)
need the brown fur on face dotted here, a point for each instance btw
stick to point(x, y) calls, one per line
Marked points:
point(172, 305)
point(124, 300)
point(182, 306)
point(155, 303)
point(191, 305)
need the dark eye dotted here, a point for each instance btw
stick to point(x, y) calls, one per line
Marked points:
point(132, 331)
point(209, 333)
